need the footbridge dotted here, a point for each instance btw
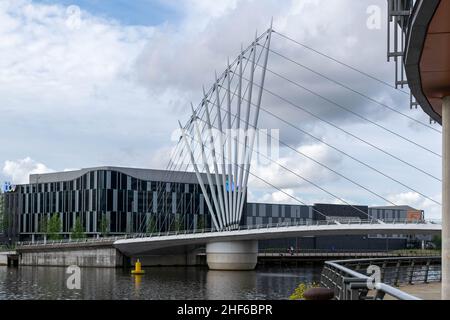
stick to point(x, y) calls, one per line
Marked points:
point(234, 249)
point(238, 249)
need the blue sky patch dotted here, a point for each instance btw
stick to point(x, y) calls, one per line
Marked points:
point(136, 12)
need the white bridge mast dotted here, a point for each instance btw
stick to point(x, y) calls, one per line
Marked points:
point(229, 189)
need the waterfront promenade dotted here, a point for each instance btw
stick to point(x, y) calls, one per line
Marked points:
point(425, 291)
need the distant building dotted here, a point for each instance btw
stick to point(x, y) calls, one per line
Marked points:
point(130, 200)
point(2, 217)
point(397, 213)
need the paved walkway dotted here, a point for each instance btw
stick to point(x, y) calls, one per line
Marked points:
point(430, 291)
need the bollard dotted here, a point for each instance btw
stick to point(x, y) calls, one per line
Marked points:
point(137, 268)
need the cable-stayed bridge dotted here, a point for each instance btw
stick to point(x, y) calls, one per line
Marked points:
point(218, 144)
point(235, 249)
point(219, 138)
point(145, 243)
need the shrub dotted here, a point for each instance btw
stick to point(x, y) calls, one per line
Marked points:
point(299, 292)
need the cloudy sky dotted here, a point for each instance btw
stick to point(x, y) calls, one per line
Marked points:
point(94, 82)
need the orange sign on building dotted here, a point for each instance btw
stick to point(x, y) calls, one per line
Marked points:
point(413, 215)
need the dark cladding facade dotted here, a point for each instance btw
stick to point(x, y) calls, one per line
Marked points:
point(129, 200)
point(266, 213)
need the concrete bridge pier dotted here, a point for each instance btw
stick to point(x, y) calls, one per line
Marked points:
point(232, 255)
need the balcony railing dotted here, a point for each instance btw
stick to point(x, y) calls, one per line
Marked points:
point(349, 280)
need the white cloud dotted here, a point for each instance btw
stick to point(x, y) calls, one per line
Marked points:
point(40, 53)
point(432, 210)
point(77, 84)
point(19, 171)
point(113, 93)
point(285, 196)
point(280, 177)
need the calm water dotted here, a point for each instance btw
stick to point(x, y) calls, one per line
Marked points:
point(157, 283)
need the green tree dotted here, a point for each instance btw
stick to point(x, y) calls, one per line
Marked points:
point(104, 225)
point(43, 225)
point(77, 230)
point(151, 224)
point(54, 227)
point(437, 240)
point(3, 218)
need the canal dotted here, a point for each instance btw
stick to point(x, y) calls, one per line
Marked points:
point(157, 283)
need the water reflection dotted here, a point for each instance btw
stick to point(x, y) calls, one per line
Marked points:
point(137, 284)
point(156, 283)
point(230, 283)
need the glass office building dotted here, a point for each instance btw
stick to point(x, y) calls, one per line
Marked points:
point(125, 200)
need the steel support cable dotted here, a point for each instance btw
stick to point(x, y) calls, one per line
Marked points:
point(232, 76)
point(321, 164)
point(170, 171)
point(347, 154)
point(210, 92)
point(242, 56)
point(168, 174)
point(265, 181)
point(340, 62)
point(230, 100)
point(354, 91)
point(307, 180)
point(349, 133)
point(351, 111)
point(222, 78)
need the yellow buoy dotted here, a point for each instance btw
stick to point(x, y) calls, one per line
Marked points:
point(137, 268)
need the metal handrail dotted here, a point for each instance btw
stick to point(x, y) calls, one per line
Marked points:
point(351, 284)
point(383, 253)
point(211, 230)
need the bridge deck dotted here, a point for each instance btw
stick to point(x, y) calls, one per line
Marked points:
point(141, 244)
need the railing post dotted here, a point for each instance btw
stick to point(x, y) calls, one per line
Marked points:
point(427, 271)
point(397, 273)
point(383, 271)
point(411, 274)
point(343, 295)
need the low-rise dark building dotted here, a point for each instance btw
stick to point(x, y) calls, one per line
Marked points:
point(129, 200)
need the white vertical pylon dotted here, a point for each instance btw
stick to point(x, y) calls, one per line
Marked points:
point(230, 166)
point(256, 117)
point(211, 142)
point(242, 189)
point(236, 148)
point(222, 146)
point(229, 202)
point(199, 178)
point(205, 164)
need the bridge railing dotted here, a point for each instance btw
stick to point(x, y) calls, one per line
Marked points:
point(238, 228)
point(372, 253)
point(284, 225)
point(71, 241)
point(349, 279)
